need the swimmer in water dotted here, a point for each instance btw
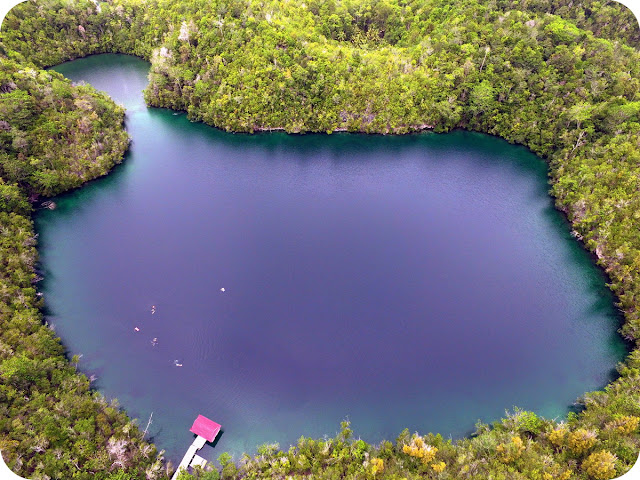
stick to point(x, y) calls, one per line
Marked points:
point(154, 342)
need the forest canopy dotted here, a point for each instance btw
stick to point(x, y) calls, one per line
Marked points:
point(561, 77)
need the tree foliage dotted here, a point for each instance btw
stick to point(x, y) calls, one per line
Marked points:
point(559, 76)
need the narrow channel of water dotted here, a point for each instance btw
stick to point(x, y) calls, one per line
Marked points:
point(422, 281)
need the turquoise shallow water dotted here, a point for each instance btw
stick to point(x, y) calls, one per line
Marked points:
point(422, 281)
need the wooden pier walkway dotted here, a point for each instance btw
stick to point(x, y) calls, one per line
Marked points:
point(206, 431)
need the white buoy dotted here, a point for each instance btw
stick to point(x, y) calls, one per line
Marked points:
point(222, 289)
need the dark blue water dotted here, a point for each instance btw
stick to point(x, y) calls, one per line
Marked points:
point(422, 281)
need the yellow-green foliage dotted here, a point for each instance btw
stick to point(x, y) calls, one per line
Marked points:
point(419, 449)
point(508, 452)
point(557, 474)
point(581, 440)
point(600, 465)
point(558, 436)
point(624, 424)
point(377, 465)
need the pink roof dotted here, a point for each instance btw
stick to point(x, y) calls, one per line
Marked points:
point(205, 428)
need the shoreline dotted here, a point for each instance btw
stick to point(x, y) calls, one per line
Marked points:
point(598, 213)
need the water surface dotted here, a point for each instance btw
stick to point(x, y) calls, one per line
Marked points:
point(422, 281)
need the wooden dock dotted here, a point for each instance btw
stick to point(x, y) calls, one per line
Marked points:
point(206, 431)
point(188, 458)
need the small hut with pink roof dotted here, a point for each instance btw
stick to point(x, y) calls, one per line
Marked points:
point(206, 430)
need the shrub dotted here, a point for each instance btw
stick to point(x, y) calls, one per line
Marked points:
point(558, 436)
point(509, 452)
point(624, 424)
point(581, 440)
point(377, 465)
point(419, 449)
point(600, 465)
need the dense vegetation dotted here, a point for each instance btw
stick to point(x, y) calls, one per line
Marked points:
point(560, 77)
point(53, 137)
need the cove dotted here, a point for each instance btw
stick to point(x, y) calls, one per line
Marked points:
point(420, 282)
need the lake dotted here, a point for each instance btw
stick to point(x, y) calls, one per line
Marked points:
point(421, 281)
